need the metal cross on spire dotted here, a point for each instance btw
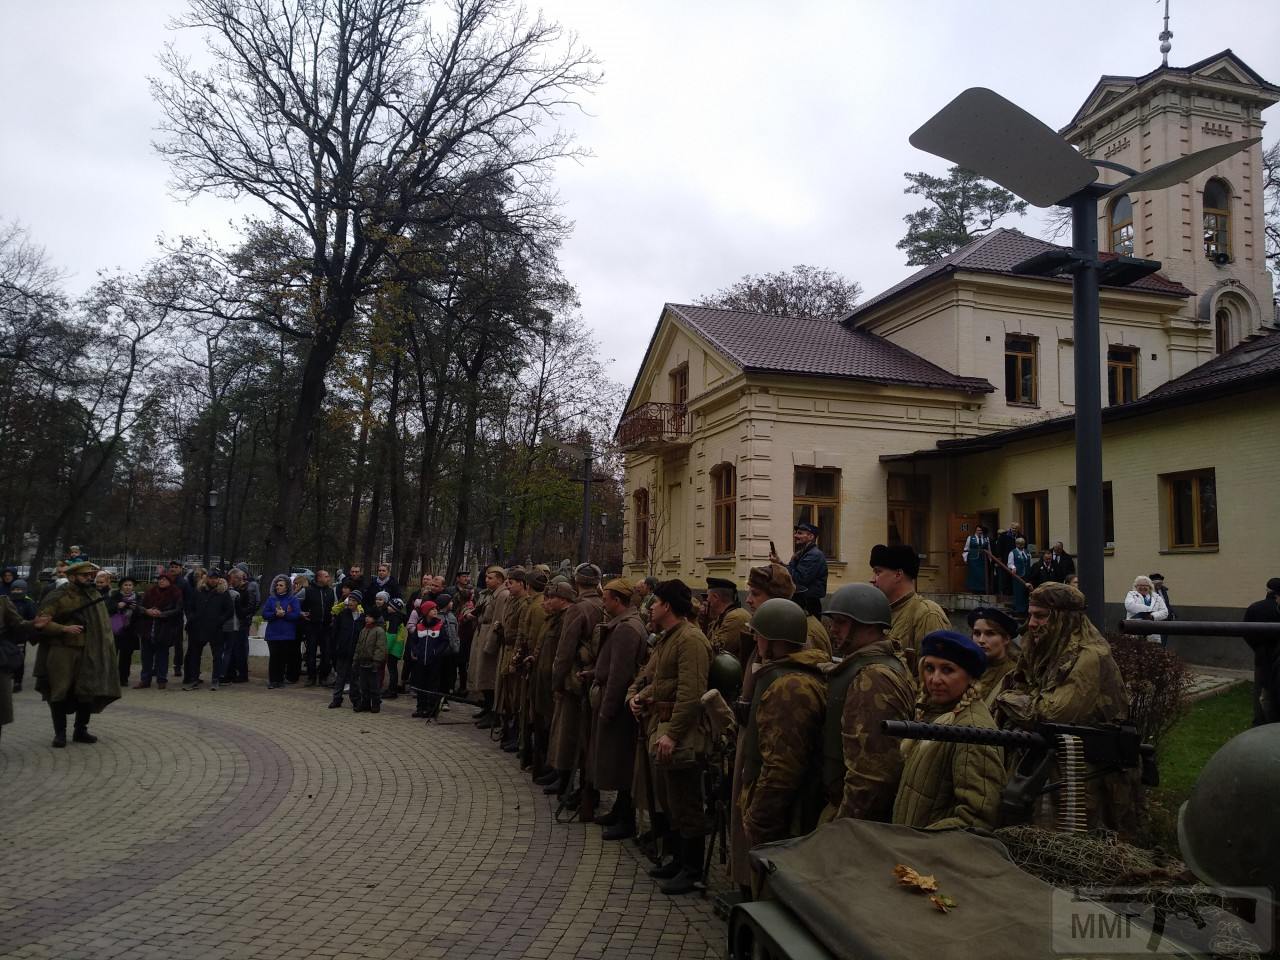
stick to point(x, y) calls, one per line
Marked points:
point(1165, 36)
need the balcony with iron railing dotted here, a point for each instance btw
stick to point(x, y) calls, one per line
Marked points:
point(653, 427)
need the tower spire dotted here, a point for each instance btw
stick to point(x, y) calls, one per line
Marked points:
point(1165, 36)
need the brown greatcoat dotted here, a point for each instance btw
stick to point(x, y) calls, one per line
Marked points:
point(623, 645)
point(505, 698)
point(484, 648)
point(574, 652)
point(544, 652)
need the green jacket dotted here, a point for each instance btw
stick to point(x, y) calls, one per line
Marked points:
point(946, 785)
point(371, 647)
point(77, 667)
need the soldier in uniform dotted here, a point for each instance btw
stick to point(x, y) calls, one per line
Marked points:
point(773, 580)
point(671, 709)
point(624, 642)
point(780, 795)
point(530, 629)
point(17, 630)
point(871, 683)
point(894, 571)
point(559, 596)
point(575, 654)
point(483, 669)
point(1067, 675)
point(730, 623)
point(508, 639)
point(76, 664)
point(993, 630)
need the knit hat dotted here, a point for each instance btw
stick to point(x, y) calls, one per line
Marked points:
point(562, 589)
point(956, 647)
point(997, 616)
point(356, 595)
point(381, 595)
point(587, 574)
point(900, 557)
point(428, 607)
point(19, 585)
point(620, 586)
point(773, 580)
point(677, 595)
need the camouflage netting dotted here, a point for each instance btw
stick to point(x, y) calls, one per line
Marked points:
point(1099, 859)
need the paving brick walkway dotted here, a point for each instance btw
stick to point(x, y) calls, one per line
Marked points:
point(250, 823)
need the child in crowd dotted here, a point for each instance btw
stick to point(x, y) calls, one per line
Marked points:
point(348, 619)
point(370, 655)
point(395, 628)
point(427, 644)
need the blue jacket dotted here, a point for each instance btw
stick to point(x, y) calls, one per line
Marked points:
point(809, 571)
point(286, 627)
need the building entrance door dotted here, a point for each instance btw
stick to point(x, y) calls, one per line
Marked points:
point(960, 526)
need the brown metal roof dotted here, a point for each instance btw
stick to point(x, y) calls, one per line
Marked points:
point(817, 348)
point(999, 252)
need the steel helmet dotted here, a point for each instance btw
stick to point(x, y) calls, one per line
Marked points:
point(726, 676)
point(861, 603)
point(781, 619)
point(1220, 834)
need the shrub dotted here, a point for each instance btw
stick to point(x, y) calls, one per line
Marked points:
point(1157, 682)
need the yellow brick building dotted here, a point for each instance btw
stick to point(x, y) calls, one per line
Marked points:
point(949, 395)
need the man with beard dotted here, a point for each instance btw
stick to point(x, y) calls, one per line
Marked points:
point(75, 667)
point(1068, 675)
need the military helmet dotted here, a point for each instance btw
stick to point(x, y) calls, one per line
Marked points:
point(861, 603)
point(781, 619)
point(726, 676)
point(1220, 835)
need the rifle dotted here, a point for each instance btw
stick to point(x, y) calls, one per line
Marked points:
point(1109, 748)
point(1007, 569)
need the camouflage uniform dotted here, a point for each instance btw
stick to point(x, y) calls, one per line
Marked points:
point(914, 618)
point(947, 785)
point(861, 765)
point(1067, 675)
point(780, 795)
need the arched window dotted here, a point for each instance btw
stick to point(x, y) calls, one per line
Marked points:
point(1222, 330)
point(724, 508)
point(1217, 220)
point(641, 498)
point(1122, 226)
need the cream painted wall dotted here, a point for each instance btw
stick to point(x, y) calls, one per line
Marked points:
point(1236, 437)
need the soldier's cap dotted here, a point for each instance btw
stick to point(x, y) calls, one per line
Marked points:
point(495, 569)
point(518, 574)
point(620, 586)
point(538, 580)
point(997, 616)
point(773, 580)
point(902, 557)
point(956, 647)
point(806, 527)
point(82, 566)
point(1057, 596)
point(562, 589)
point(719, 583)
point(677, 595)
point(542, 568)
point(587, 574)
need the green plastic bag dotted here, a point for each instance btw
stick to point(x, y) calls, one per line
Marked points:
point(395, 644)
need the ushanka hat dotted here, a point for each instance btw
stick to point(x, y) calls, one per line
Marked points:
point(900, 557)
point(587, 574)
point(562, 589)
point(772, 579)
point(956, 647)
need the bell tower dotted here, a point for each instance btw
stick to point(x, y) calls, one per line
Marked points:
point(1208, 232)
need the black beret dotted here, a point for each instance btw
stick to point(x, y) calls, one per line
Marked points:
point(900, 557)
point(997, 616)
point(677, 595)
point(956, 647)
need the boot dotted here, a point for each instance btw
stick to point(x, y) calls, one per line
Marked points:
point(550, 776)
point(607, 819)
point(558, 786)
point(623, 825)
point(667, 871)
point(59, 724)
point(690, 875)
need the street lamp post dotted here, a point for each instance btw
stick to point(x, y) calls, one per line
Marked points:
point(210, 504)
point(983, 132)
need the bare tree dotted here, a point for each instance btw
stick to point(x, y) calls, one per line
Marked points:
point(802, 291)
point(355, 121)
point(1271, 203)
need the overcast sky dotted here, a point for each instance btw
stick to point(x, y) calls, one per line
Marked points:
point(729, 136)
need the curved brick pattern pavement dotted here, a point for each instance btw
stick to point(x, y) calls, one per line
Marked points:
point(254, 823)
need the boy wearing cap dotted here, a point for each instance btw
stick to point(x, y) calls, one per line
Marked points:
point(893, 572)
point(948, 785)
point(370, 654)
point(347, 624)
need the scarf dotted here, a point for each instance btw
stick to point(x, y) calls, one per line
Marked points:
point(161, 597)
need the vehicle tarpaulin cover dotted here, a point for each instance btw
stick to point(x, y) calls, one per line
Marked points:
point(839, 881)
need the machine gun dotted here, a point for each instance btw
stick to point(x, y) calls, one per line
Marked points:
point(1107, 748)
